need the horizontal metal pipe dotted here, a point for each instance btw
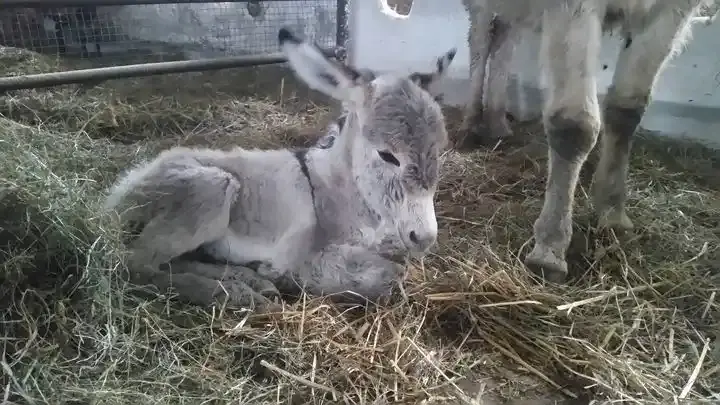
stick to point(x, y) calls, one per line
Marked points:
point(4, 4)
point(138, 70)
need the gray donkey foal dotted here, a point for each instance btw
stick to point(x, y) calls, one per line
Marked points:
point(324, 218)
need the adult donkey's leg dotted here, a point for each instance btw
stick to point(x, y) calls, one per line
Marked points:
point(479, 39)
point(639, 64)
point(199, 215)
point(501, 54)
point(570, 47)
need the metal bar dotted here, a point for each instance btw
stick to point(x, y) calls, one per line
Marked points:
point(351, 24)
point(342, 28)
point(6, 4)
point(139, 70)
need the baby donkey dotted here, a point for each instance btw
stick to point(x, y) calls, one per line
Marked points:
point(326, 219)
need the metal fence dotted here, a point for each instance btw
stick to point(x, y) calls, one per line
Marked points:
point(129, 38)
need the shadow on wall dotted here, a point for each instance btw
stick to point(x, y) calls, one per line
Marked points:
point(401, 7)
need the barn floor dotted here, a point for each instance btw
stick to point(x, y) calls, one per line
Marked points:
point(639, 324)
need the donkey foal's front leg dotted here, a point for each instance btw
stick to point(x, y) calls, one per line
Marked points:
point(353, 273)
point(206, 283)
point(572, 123)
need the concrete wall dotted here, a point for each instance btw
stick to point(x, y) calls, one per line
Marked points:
point(185, 30)
point(214, 29)
point(686, 99)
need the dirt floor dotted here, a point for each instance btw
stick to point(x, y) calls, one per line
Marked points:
point(637, 322)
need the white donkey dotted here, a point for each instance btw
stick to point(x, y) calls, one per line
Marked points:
point(325, 218)
point(654, 32)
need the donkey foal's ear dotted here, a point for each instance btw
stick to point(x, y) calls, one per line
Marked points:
point(315, 69)
point(427, 80)
point(444, 61)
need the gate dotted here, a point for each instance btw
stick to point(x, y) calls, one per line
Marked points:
point(132, 38)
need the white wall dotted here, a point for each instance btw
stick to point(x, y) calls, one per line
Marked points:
point(686, 99)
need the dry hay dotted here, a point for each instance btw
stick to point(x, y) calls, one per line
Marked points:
point(638, 324)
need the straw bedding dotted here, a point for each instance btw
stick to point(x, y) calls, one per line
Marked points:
point(636, 323)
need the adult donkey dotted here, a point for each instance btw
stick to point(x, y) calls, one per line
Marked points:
point(326, 218)
point(654, 31)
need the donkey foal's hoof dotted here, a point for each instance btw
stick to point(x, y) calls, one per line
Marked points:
point(247, 299)
point(269, 306)
point(267, 271)
point(543, 262)
point(270, 292)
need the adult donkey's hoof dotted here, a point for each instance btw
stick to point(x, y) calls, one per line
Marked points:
point(467, 139)
point(615, 219)
point(498, 126)
point(483, 133)
point(475, 137)
point(543, 262)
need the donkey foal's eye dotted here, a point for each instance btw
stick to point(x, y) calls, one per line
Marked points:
point(388, 157)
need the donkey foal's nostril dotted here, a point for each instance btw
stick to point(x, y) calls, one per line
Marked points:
point(421, 242)
point(413, 238)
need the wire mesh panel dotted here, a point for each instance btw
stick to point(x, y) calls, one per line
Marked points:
point(164, 32)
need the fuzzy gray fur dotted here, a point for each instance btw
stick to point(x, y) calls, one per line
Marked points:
point(328, 218)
